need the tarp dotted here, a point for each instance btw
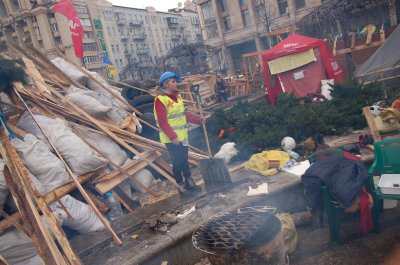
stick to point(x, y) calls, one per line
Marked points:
point(297, 44)
point(387, 56)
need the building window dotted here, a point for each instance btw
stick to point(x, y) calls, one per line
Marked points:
point(108, 15)
point(90, 47)
point(208, 11)
point(260, 13)
point(117, 47)
point(227, 23)
point(85, 22)
point(222, 5)
point(300, 4)
point(283, 7)
point(54, 27)
point(81, 9)
point(246, 18)
point(112, 48)
point(209, 20)
point(242, 2)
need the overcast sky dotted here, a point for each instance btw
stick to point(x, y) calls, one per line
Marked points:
point(160, 5)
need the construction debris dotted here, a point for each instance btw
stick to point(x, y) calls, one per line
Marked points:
point(63, 128)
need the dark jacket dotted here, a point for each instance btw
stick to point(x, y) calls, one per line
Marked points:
point(343, 177)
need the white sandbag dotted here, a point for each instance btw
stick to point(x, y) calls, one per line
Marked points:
point(144, 177)
point(92, 85)
point(35, 260)
point(226, 152)
point(41, 162)
point(16, 247)
point(86, 99)
point(3, 186)
point(326, 88)
point(70, 70)
point(126, 188)
point(84, 218)
point(27, 123)
point(105, 145)
point(115, 116)
point(78, 155)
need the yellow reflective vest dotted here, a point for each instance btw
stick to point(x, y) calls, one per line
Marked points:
point(175, 116)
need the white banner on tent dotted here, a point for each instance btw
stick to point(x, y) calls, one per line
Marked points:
point(291, 61)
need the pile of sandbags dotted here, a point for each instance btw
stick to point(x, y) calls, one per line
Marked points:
point(76, 153)
point(96, 101)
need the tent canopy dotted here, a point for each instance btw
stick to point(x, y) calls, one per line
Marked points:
point(295, 44)
point(386, 57)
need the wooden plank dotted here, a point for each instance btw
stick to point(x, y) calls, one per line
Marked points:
point(67, 188)
point(107, 185)
point(359, 47)
point(39, 81)
point(371, 124)
point(4, 226)
point(159, 198)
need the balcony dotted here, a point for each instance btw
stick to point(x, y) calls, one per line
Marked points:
point(172, 22)
point(121, 21)
point(143, 51)
point(176, 37)
point(136, 23)
point(124, 37)
point(128, 52)
point(139, 37)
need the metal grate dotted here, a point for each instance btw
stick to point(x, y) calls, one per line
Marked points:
point(234, 231)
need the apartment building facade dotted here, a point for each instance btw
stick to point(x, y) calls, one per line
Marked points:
point(125, 36)
point(31, 22)
point(235, 27)
point(138, 38)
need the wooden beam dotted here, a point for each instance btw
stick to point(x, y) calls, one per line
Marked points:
point(371, 124)
point(359, 47)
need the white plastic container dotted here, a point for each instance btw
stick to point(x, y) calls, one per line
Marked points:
point(390, 184)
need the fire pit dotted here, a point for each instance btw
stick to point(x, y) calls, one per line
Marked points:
point(249, 235)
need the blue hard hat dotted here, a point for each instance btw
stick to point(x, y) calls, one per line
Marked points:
point(168, 75)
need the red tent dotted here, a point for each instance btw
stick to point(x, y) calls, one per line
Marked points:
point(307, 78)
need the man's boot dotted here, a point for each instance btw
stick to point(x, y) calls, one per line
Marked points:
point(190, 185)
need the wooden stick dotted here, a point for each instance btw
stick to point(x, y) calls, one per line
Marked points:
point(11, 221)
point(205, 130)
point(74, 177)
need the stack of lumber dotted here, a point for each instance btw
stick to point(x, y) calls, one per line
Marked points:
point(45, 92)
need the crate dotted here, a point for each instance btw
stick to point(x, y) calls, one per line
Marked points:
point(390, 184)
